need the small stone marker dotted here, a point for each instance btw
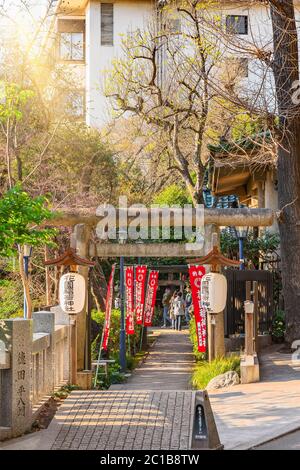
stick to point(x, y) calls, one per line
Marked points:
point(204, 434)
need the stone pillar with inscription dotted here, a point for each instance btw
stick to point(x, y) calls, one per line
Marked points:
point(16, 408)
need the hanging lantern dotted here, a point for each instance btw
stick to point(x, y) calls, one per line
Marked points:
point(72, 292)
point(214, 292)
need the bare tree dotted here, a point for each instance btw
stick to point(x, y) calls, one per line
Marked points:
point(271, 97)
point(164, 79)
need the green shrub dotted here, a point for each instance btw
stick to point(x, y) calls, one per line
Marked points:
point(114, 336)
point(133, 356)
point(157, 317)
point(65, 390)
point(194, 340)
point(11, 298)
point(278, 325)
point(205, 371)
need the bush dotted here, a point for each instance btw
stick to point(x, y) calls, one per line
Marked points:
point(11, 299)
point(278, 326)
point(157, 317)
point(133, 357)
point(193, 337)
point(114, 336)
point(205, 371)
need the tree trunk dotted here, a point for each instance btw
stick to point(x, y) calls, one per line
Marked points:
point(286, 72)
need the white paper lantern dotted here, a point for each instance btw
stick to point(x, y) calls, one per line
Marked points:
point(214, 292)
point(72, 291)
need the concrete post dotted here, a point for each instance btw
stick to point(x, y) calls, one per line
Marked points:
point(16, 410)
point(44, 322)
point(249, 361)
point(249, 328)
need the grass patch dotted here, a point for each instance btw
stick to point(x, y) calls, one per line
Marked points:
point(205, 371)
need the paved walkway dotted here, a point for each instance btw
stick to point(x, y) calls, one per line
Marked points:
point(168, 366)
point(124, 420)
point(248, 415)
point(153, 410)
point(150, 411)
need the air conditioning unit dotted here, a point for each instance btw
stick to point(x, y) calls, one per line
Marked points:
point(214, 292)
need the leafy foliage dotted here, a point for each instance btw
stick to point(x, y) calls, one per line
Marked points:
point(12, 100)
point(278, 326)
point(173, 195)
point(20, 217)
point(133, 357)
point(193, 337)
point(255, 248)
point(206, 371)
point(11, 295)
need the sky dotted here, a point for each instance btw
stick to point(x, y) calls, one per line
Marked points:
point(21, 12)
point(19, 18)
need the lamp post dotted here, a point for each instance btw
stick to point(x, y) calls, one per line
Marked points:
point(72, 298)
point(27, 251)
point(122, 240)
point(241, 234)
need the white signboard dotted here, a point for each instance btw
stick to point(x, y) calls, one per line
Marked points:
point(72, 291)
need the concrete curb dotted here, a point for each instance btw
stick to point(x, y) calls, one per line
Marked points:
point(265, 439)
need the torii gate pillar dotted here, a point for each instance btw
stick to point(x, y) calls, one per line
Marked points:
point(80, 241)
point(215, 331)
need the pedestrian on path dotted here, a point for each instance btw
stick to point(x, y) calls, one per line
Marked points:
point(166, 306)
point(188, 303)
point(171, 310)
point(179, 310)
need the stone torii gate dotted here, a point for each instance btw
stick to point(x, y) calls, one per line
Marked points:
point(83, 226)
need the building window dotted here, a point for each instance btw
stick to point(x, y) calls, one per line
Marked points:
point(107, 24)
point(71, 40)
point(71, 46)
point(237, 24)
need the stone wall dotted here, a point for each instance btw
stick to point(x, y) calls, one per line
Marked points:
point(34, 359)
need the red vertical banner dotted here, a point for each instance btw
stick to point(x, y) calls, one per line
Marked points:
point(108, 305)
point(140, 283)
point(150, 298)
point(129, 283)
point(196, 275)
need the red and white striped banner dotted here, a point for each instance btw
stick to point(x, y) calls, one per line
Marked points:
point(196, 275)
point(129, 283)
point(150, 297)
point(140, 282)
point(108, 305)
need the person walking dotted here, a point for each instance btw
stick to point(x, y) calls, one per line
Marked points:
point(178, 310)
point(188, 303)
point(171, 309)
point(166, 305)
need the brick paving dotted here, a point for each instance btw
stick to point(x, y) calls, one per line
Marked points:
point(152, 410)
point(117, 420)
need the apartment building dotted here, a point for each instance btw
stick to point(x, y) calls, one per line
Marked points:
point(90, 34)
